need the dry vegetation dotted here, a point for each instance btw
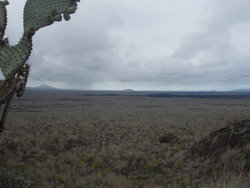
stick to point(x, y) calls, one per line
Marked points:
point(70, 140)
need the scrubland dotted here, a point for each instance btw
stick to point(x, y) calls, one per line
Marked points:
point(66, 139)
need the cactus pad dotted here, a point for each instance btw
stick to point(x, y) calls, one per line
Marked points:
point(14, 57)
point(3, 19)
point(40, 13)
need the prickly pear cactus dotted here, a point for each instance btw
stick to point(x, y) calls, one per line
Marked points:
point(37, 14)
point(40, 13)
point(12, 58)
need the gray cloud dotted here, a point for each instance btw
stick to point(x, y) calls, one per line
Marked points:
point(143, 44)
point(212, 50)
point(80, 53)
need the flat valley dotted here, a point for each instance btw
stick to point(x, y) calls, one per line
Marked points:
point(114, 139)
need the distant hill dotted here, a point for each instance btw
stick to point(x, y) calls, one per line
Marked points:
point(42, 88)
point(128, 90)
point(241, 90)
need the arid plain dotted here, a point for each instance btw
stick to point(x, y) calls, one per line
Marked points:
point(82, 139)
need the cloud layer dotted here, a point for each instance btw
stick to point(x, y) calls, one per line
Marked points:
point(143, 44)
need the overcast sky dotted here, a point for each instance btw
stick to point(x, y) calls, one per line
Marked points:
point(142, 44)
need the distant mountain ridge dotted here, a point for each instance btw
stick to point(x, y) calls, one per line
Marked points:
point(128, 90)
point(43, 87)
point(156, 93)
point(241, 90)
